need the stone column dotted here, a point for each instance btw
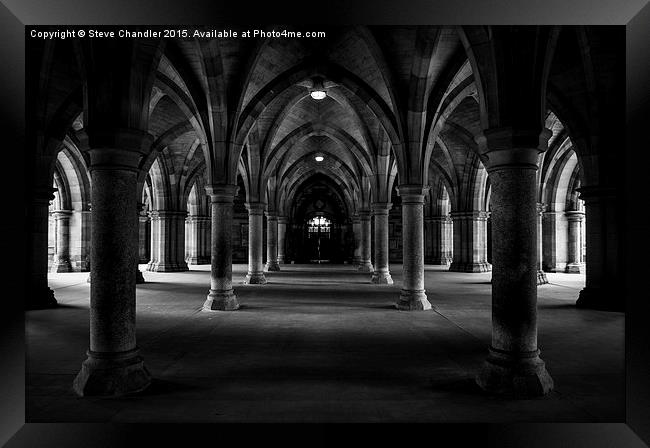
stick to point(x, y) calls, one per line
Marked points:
point(381, 273)
point(143, 242)
point(574, 242)
point(513, 365)
point(365, 264)
point(554, 246)
point(271, 243)
point(603, 272)
point(428, 239)
point(39, 295)
point(255, 227)
point(113, 366)
point(356, 230)
point(62, 255)
point(448, 226)
point(168, 241)
point(282, 231)
point(470, 241)
point(221, 296)
point(541, 275)
point(144, 236)
point(413, 296)
point(198, 239)
point(439, 228)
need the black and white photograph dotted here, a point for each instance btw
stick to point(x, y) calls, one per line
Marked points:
point(358, 223)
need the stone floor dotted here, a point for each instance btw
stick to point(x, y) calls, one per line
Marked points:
point(321, 343)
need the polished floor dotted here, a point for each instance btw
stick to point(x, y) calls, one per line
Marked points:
point(320, 343)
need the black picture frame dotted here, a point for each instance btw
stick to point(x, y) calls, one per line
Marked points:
point(635, 15)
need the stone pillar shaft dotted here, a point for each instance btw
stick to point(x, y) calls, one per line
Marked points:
point(470, 241)
point(515, 258)
point(271, 243)
point(602, 268)
point(198, 228)
point(62, 255)
point(221, 296)
point(439, 228)
point(365, 263)
point(574, 242)
point(255, 239)
point(167, 241)
point(381, 273)
point(541, 275)
point(413, 295)
point(144, 238)
point(282, 232)
point(356, 233)
point(112, 321)
point(39, 294)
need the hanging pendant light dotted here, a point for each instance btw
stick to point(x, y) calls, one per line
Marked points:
point(317, 91)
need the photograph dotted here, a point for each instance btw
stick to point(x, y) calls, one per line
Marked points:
point(402, 228)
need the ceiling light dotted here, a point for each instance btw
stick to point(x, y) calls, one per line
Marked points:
point(318, 94)
point(319, 158)
point(317, 90)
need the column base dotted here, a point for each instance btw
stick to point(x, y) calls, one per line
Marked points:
point(144, 260)
point(198, 260)
point(365, 266)
point(139, 278)
point(41, 299)
point(221, 301)
point(272, 267)
point(281, 259)
point(382, 278)
point(572, 268)
point(541, 278)
point(111, 374)
point(255, 278)
point(600, 299)
point(470, 267)
point(523, 375)
point(61, 266)
point(413, 301)
point(167, 267)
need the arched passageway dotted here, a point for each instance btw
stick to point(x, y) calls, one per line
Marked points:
point(418, 169)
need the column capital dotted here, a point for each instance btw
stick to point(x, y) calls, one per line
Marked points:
point(61, 214)
point(469, 214)
point(198, 218)
point(412, 193)
point(364, 214)
point(271, 216)
point(221, 192)
point(574, 215)
point(380, 208)
point(541, 208)
point(356, 219)
point(158, 214)
point(506, 147)
point(283, 220)
point(255, 208)
point(440, 218)
point(115, 148)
